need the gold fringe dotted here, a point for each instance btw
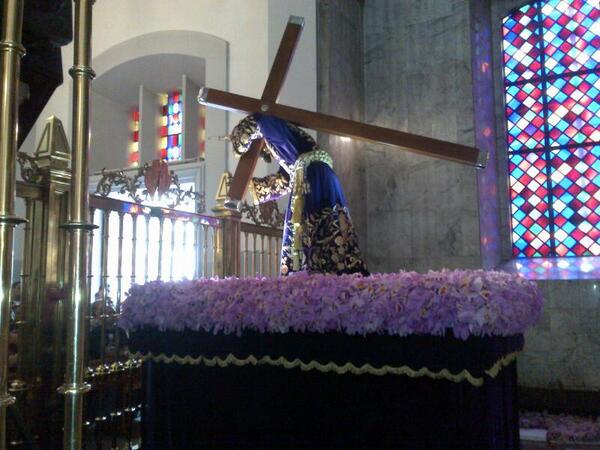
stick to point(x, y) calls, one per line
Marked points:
point(501, 363)
point(331, 366)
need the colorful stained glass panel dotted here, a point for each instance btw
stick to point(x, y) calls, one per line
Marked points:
point(530, 211)
point(524, 116)
point(552, 86)
point(521, 48)
point(172, 127)
point(574, 109)
point(571, 33)
point(134, 146)
point(575, 175)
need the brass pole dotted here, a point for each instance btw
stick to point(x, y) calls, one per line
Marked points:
point(11, 51)
point(146, 267)
point(134, 218)
point(205, 251)
point(172, 255)
point(161, 229)
point(90, 255)
point(245, 269)
point(103, 279)
point(183, 245)
point(226, 243)
point(117, 306)
point(78, 227)
point(198, 254)
point(26, 356)
point(255, 256)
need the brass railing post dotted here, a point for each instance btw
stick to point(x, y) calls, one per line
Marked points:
point(53, 157)
point(78, 227)
point(227, 244)
point(10, 59)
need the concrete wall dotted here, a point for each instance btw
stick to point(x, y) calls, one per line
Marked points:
point(341, 93)
point(434, 68)
point(418, 79)
point(110, 122)
point(563, 350)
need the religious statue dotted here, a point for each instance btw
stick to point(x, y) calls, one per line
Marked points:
point(318, 234)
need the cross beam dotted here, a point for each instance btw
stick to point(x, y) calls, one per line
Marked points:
point(279, 70)
point(321, 122)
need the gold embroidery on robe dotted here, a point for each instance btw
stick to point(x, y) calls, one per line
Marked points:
point(329, 244)
point(270, 187)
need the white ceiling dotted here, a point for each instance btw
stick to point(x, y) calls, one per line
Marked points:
point(158, 73)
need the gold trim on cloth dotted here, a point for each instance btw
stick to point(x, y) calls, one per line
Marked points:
point(349, 367)
point(300, 188)
point(501, 363)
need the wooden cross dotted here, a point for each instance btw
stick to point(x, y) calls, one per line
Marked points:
point(321, 122)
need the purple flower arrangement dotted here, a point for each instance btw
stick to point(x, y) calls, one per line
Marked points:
point(468, 302)
point(563, 428)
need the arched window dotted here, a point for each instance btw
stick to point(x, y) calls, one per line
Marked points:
point(552, 91)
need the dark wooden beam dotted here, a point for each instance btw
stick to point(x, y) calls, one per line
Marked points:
point(277, 76)
point(349, 128)
point(243, 175)
point(283, 59)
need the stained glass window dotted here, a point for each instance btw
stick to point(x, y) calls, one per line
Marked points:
point(134, 150)
point(171, 127)
point(552, 93)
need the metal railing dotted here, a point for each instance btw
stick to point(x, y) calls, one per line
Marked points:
point(260, 250)
point(135, 244)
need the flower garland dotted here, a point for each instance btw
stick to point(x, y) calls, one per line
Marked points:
point(468, 302)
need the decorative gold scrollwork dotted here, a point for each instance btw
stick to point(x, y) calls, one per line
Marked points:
point(30, 171)
point(265, 214)
point(131, 185)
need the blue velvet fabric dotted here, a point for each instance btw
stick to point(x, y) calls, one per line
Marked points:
point(287, 143)
point(187, 406)
point(328, 242)
point(325, 188)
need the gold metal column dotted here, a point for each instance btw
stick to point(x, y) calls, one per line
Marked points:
point(78, 227)
point(11, 51)
point(227, 237)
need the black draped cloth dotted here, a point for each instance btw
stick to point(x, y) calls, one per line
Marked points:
point(327, 391)
point(47, 26)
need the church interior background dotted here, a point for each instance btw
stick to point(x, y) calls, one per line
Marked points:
point(519, 79)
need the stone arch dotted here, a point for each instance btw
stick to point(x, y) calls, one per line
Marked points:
point(193, 43)
point(213, 50)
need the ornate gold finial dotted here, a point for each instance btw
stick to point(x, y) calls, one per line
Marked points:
point(52, 157)
point(53, 149)
point(223, 202)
